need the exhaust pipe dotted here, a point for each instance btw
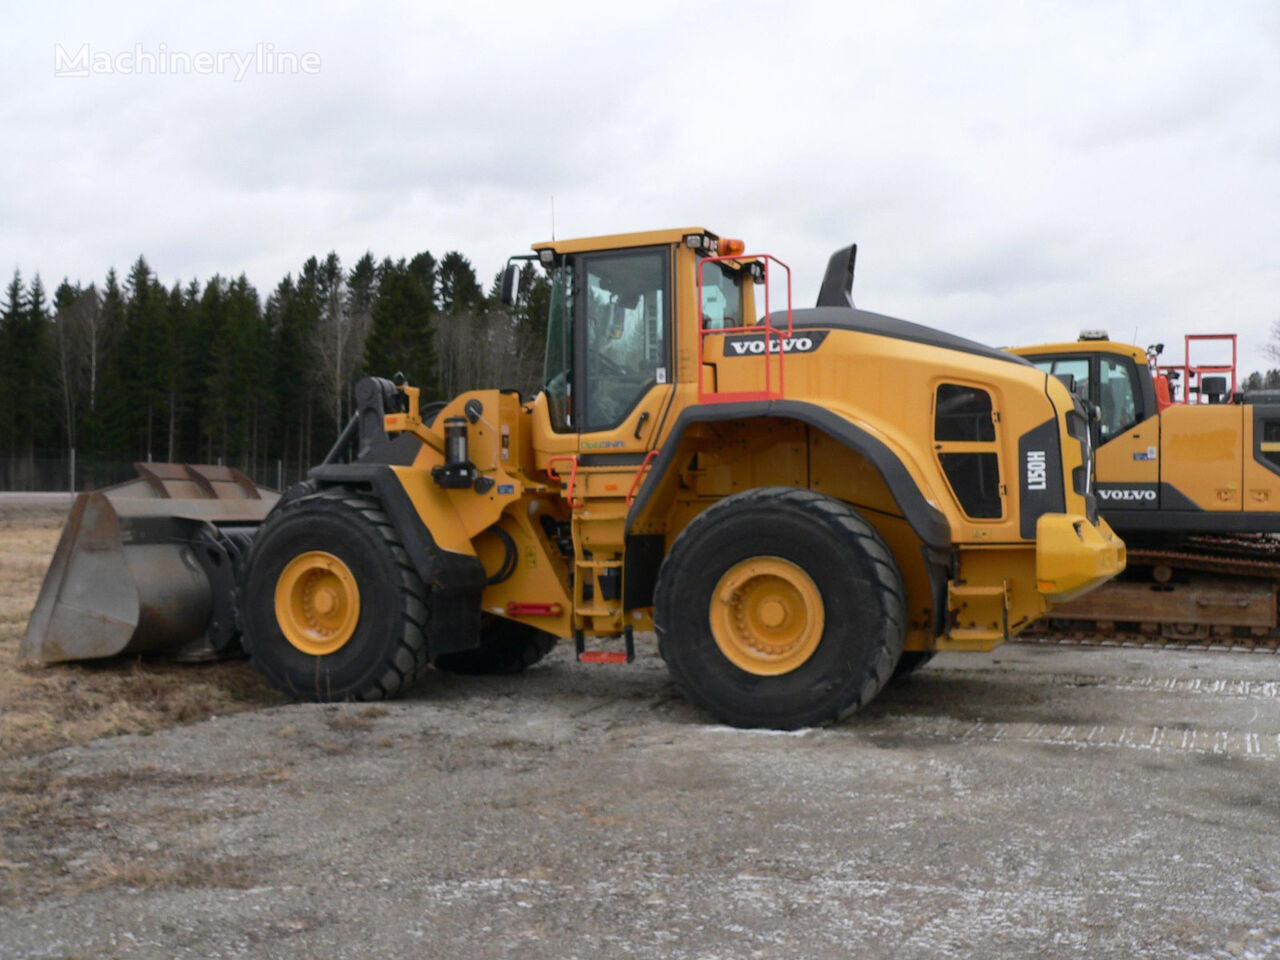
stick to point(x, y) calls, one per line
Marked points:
point(148, 567)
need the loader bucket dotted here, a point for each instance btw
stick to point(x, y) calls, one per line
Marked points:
point(148, 567)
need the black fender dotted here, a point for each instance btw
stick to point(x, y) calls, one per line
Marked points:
point(928, 522)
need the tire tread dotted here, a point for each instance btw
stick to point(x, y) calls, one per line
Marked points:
point(408, 662)
point(849, 526)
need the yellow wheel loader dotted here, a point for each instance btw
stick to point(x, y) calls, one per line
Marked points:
point(800, 502)
point(1188, 472)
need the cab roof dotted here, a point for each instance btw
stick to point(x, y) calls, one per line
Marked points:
point(1133, 352)
point(617, 241)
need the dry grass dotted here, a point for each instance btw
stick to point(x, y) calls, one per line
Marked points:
point(237, 873)
point(56, 839)
point(44, 707)
point(361, 719)
point(138, 870)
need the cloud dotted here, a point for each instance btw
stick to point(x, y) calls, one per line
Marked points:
point(1007, 169)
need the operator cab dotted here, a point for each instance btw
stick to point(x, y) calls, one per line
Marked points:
point(610, 355)
point(1129, 385)
point(1111, 377)
point(609, 320)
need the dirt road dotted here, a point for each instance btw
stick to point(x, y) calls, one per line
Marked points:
point(1033, 802)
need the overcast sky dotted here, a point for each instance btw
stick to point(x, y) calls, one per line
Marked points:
point(1012, 172)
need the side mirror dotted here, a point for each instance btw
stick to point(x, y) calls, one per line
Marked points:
point(509, 277)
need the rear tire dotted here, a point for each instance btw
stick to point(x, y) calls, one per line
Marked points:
point(375, 654)
point(751, 546)
point(506, 647)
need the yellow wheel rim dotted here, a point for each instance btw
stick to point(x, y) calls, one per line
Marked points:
point(767, 616)
point(317, 603)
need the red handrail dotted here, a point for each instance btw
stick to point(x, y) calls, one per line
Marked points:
point(767, 328)
point(573, 477)
point(635, 483)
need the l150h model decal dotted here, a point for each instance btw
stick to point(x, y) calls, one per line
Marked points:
point(752, 344)
point(1040, 476)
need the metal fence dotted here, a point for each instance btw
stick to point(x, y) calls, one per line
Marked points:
point(72, 473)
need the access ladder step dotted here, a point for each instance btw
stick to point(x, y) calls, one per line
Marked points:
point(605, 656)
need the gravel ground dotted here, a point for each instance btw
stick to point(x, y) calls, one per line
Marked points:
point(1035, 801)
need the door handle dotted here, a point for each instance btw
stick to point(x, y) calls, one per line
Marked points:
point(640, 423)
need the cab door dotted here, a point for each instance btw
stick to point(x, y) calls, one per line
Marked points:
point(1126, 437)
point(1127, 455)
point(624, 352)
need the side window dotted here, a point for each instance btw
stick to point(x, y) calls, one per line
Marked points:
point(1269, 443)
point(964, 426)
point(557, 369)
point(963, 413)
point(721, 297)
point(625, 310)
point(1077, 367)
point(1115, 398)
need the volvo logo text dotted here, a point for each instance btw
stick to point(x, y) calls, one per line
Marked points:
point(789, 345)
point(1130, 494)
point(753, 344)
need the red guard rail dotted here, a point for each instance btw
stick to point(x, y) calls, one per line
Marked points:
point(1189, 370)
point(773, 336)
point(573, 477)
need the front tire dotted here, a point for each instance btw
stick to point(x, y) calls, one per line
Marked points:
point(332, 608)
point(780, 607)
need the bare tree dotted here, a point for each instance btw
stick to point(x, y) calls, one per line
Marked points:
point(77, 329)
point(1272, 349)
point(483, 349)
point(333, 335)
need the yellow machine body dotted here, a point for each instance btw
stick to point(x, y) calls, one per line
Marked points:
point(852, 413)
point(801, 503)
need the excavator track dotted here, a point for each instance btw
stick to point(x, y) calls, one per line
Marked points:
point(1210, 593)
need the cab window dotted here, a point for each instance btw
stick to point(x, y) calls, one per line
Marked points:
point(557, 370)
point(964, 428)
point(1115, 398)
point(1077, 367)
point(625, 305)
point(721, 296)
point(1112, 391)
